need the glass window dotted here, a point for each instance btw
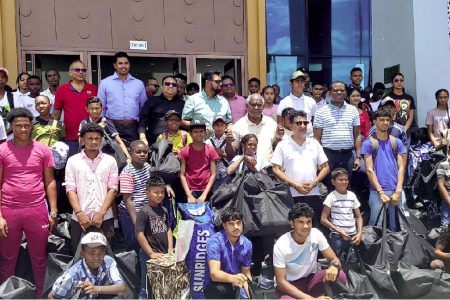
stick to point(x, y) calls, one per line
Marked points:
point(61, 63)
point(341, 67)
point(280, 69)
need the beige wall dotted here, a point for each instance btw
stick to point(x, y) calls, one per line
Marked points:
point(8, 41)
point(256, 40)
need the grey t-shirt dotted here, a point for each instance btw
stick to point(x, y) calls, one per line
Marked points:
point(443, 171)
point(154, 222)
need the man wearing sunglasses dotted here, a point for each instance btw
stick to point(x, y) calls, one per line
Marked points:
point(237, 103)
point(207, 104)
point(123, 97)
point(152, 87)
point(314, 167)
point(71, 97)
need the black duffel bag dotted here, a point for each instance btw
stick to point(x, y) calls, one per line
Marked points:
point(380, 245)
point(17, 288)
point(264, 202)
point(164, 162)
point(110, 146)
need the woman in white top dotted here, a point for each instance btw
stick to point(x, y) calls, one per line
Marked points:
point(437, 120)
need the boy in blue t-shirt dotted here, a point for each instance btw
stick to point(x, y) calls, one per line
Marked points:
point(342, 207)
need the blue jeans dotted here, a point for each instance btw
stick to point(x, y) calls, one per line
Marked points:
point(445, 213)
point(376, 204)
point(131, 242)
point(143, 257)
point(341, 247)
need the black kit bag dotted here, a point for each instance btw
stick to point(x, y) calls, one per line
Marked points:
point(110, 146)
point(414, 283)
point(380, 245)
point(264, 202)
point(17, 288)
point(164, 162)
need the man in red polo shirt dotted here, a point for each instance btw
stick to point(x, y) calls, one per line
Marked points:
point(71, 97)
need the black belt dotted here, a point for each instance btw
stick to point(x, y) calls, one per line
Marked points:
point(339, 150)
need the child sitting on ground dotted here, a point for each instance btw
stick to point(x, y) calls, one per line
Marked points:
point(173, 133)
point(198, 165)
point(248, 159)
point(95, 274)
point(342, 207)
point(219, 141)
point(153, 230)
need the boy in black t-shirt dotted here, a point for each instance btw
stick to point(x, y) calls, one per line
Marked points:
point(152, 228)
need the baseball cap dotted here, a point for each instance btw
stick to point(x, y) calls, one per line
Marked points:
point(4, 70)
point(219, 118)
point(297, 74)
point(387, 101)
point(197, 123)
point(94, 239)
point(171, 112)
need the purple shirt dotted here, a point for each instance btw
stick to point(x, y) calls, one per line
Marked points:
point(238, 107)
point(232, 259)
point(122, 99)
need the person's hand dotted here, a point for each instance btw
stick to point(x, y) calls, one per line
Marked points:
point(239, 280)
point(395, 198)
point(84, 221)
point(97, 220)
point(251, 161)
point(279, 133)
point(53, 222)
point(384, 198)
point(89, 288)
point(155, 255)
point(356, 240)
point(229, 127)
point(344, 235)
point(356, 164)
point(219, 152)
point(3, 227)
point(308, 186)
point(191, 199)
point(300, 188)
point(144, 140)
point(331, 274)
point(209, 131)
point(129, 160)
point(202, 198)
point(170, 191)
point(230, 137)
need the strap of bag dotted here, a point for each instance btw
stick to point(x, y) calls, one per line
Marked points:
point(376, 144)
point(250, 291)
point(220, 147)
point(10, 100)
point(52, 131)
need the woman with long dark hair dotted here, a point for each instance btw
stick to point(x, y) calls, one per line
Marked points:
point(437, 120)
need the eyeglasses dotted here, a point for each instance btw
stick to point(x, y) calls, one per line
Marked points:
point(399, 80)
point(79, 70)
point(228, 85)
point(338, 91)
point(256, 104)
point(155, 85)
point(170, 84)
point(218, 81)
point(300, 123)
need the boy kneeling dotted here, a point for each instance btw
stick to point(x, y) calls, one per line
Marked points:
point(96, 273)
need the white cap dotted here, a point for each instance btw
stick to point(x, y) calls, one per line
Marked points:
point(94, 239)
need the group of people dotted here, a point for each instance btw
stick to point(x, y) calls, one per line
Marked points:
point(312, 140)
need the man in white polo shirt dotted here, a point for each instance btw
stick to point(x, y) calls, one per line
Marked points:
point(296, 161)
point(264, 127)
point(298, 100)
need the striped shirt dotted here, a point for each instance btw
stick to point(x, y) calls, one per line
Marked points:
point(342, 207)
point(337, 125)
point(133, 181)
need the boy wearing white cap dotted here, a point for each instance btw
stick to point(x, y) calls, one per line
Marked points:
point(96, 273)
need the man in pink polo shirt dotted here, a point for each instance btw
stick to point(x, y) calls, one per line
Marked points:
point(26, 174)
point(237, 103)
point(71, 98)
point(92, 181)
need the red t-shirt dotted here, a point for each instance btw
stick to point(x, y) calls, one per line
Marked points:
point(23, 174)
point(74, 105)
point(365, 125)
point(197, 165)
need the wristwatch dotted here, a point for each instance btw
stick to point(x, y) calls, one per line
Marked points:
point(53, 214)
point(336, 265)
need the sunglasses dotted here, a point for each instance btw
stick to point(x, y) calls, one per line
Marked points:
point(300, 123)
point(171, 84)
point(155, 85)
point(217, 81)
point(399, 80)
point(257, 104)
point(228, 85)
point(79, 70)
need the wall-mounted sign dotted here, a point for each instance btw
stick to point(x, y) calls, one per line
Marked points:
point(138, 45)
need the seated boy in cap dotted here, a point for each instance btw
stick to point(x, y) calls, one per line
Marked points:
point(96, 273)
point(173, 133)
point(198, 164)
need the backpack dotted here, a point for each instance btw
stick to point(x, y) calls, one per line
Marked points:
point(226, 163)
point(375, 145)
